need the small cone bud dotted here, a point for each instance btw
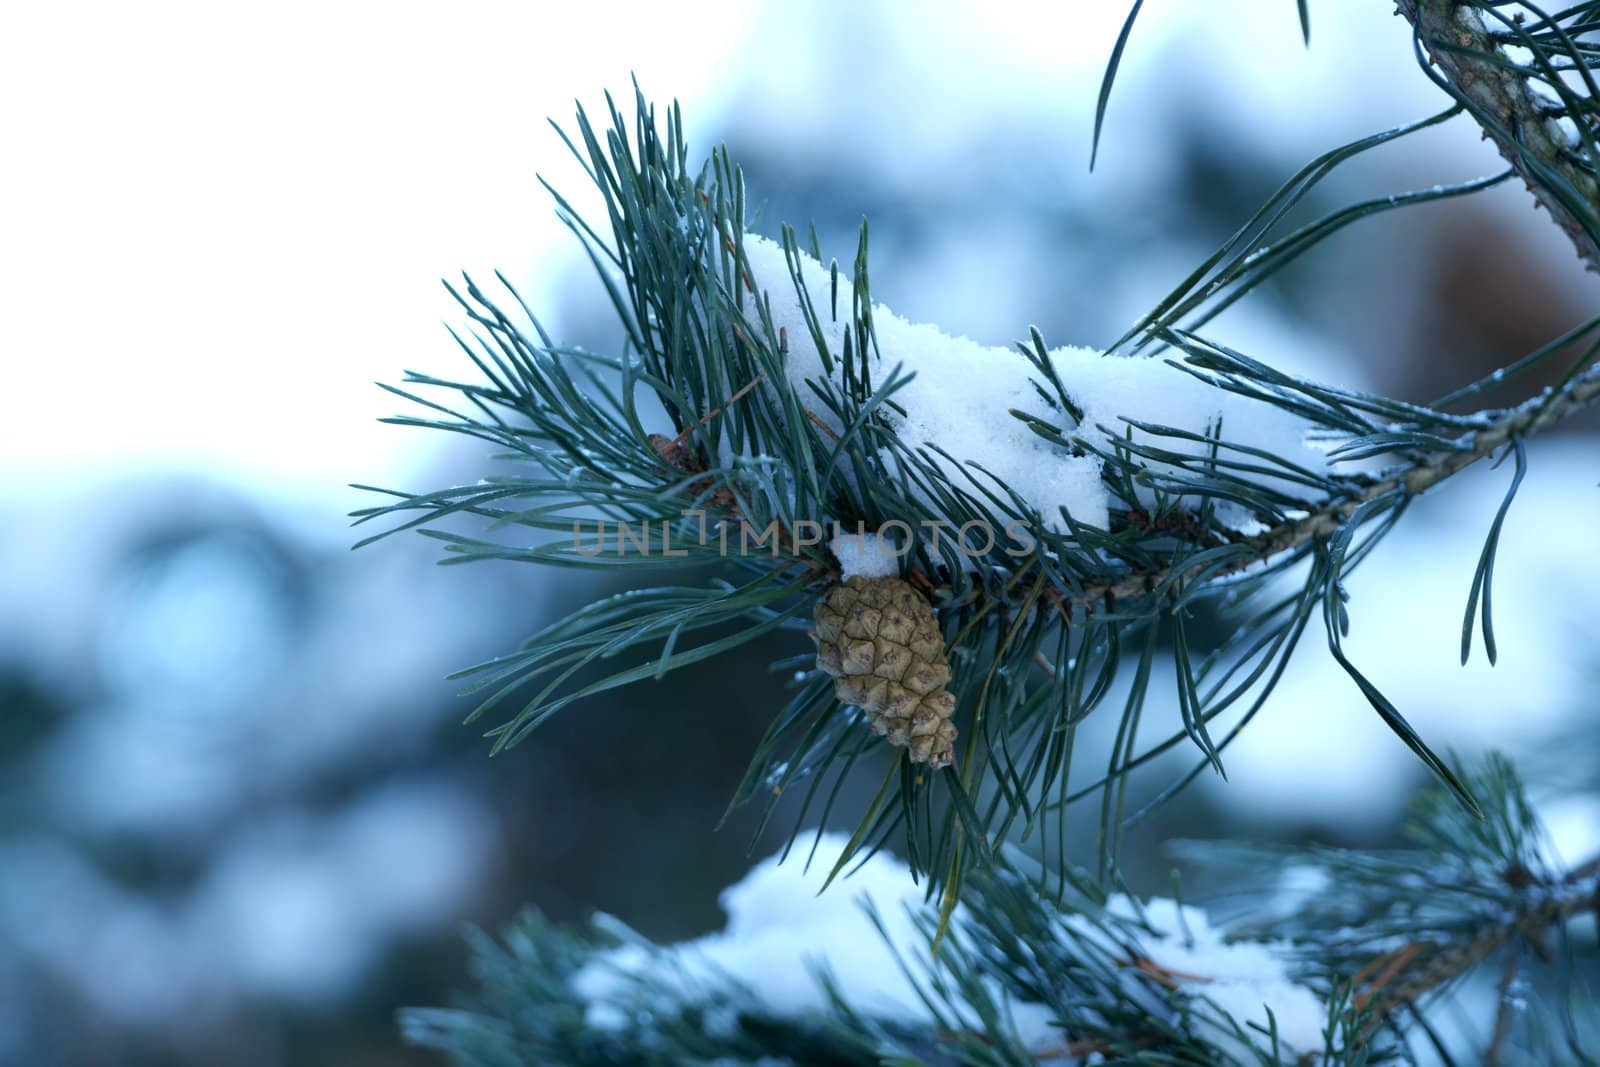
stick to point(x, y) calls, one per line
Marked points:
point(880, 641)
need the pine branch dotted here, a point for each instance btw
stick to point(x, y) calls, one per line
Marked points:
point(1505, 1012)
point(1024, 977)
point(1034, 644)
point(1500, 96)
point(1399, 931)
point(1020, 979)
point(1428, 966)
point(756, 442)
point(1428, 470)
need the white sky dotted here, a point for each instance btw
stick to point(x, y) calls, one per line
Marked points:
point(220, 224)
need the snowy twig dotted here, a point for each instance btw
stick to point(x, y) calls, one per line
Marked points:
point(1534, 416)
point(1511, 113)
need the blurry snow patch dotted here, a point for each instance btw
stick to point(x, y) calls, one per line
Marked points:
point(780, 934)
point(120, 951)
point(300, 910)
point(1298, 885)
point(121, 767)
point(779, 931)
point(219, 663)
point(962, 393)
point(194, 628)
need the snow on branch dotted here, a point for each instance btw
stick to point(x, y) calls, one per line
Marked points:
point(979, 404)
point(791, 966)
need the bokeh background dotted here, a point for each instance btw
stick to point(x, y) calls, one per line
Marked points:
point(240, 821)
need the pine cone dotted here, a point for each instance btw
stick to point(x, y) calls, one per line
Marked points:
point(879, 640)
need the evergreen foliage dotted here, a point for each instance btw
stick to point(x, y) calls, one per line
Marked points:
point(1402, 935)
point(1037, 644)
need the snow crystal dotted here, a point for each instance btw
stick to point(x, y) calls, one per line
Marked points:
point(963, 392)
point(865, 555)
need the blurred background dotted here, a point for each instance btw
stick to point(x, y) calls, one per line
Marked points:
point(240, 821)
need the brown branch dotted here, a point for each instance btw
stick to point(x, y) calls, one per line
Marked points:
point(1165, 976)
point(1504, 1013)
point(1447, 962)
point(1506, 107)
point(1521, 422)
point(1388, 967)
